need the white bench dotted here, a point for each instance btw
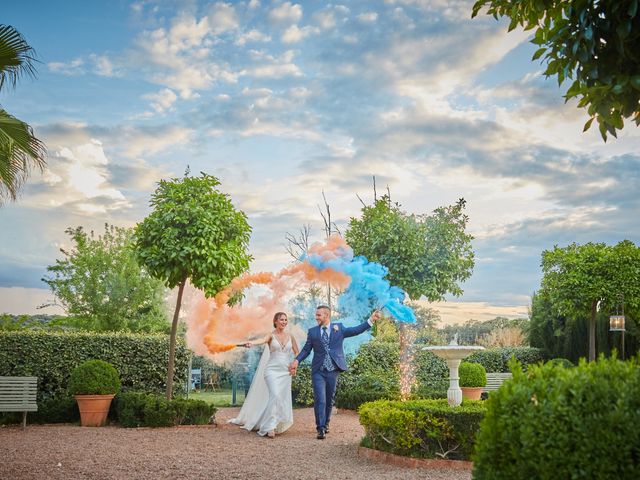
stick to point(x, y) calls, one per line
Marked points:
point(494, 380)
point(18, 394)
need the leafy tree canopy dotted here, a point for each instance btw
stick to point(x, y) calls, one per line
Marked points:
point(425, 254)
point(579, 279)
point(101, 285)
point(194, 232)
point(594, 44)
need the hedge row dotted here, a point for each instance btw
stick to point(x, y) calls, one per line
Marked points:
point(422, 428)
point(141, 359)
point(374, 373)
point(143, 410)
point(558, 422)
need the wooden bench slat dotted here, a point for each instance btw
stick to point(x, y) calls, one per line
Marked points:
point(495, 380)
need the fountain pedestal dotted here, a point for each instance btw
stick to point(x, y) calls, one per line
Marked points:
point(453, 355)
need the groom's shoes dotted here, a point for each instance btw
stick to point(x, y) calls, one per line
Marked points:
point(321, 434)
point(326, 429)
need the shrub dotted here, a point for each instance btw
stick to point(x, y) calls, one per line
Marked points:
point(497, 359)
point(94, 377)
point(557, 422)
point(563, 362)
point(422, 428)
point(301, 388)
point(141, 359)
point(472, 375)
point(158, 412)
point(133, 409)
point(354, 390)
point(192, 412)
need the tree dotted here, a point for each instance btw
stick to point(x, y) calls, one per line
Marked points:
point(580, 279)
point(193, 233)
point(101, 285)
point(425, 254)
point(594, 44)
point(19, 148)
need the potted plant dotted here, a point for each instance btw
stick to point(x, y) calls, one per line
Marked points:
point(473, 377)
point(94, 384)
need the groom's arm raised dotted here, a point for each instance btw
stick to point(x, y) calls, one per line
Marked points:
point(363, 327)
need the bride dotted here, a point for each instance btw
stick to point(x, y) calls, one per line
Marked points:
point(267, 407)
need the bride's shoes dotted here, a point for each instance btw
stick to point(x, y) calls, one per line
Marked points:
point(271, 434)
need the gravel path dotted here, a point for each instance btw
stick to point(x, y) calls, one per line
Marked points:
point(199, 452)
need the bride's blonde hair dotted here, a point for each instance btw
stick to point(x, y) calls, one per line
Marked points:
point(277, 316)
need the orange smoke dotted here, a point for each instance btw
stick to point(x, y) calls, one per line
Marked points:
point(215, 327)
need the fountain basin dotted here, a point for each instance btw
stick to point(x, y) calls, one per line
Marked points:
point(453, 355)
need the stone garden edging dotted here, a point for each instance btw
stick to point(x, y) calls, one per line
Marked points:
point(409, 462)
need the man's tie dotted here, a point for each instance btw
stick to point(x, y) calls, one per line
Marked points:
point(327, 363)
point(325, 335)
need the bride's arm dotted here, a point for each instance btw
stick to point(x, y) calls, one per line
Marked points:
point(266, 339)
point(294, 346)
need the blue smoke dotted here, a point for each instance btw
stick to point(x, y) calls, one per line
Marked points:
point(368, 291)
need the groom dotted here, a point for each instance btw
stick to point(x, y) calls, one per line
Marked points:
point(328, 361)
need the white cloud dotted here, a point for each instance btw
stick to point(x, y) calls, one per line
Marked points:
point(286, 13)
point(73, 67)
point(103, 66)
point(294, 34)
point(222, 18)
point(252, 36)
point(162, 100)
point(368, 17)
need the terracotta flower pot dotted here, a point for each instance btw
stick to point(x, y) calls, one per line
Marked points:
point(93, 409)
point(471, 393)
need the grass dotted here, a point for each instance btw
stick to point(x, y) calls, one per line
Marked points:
point(220, 398)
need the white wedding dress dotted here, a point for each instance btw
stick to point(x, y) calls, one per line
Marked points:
point(268, 404)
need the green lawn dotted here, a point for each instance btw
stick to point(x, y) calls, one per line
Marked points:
point(220, 398)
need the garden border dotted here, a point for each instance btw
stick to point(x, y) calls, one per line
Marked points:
point(409, 462)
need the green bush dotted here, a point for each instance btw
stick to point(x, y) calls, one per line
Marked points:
point(472, 375)
point(141, 359)
point(557, 422)
point(157, 412)
point(129, 409)
point(496, 360)
point(94, 377)
point(301, 388)
point(422, 428)
point(354, 390)
point(134, 409)
point(563, 362)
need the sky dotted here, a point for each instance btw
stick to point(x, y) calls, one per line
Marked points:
point(285, 101)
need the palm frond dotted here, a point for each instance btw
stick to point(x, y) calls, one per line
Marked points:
point(17, 57)
point(20, 151)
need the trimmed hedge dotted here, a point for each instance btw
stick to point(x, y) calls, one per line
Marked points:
point(374, 373)
point(497, 359)
point(422, 428)
point(133, 409)
point(141, 359)
point(558, 422)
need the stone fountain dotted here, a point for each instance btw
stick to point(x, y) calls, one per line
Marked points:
point(453, 355)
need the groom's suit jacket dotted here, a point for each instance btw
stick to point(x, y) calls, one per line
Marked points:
point(336, 337)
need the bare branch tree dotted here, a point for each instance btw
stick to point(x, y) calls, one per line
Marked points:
point(298, 245)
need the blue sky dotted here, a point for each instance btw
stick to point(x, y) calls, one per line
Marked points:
point(285, 100)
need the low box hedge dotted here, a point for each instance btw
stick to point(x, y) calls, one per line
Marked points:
point(422, 428)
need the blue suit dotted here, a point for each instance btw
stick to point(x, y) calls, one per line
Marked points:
point(323, 381)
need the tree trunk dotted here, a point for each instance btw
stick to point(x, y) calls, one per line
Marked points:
point(172, 341)
point(592, 331)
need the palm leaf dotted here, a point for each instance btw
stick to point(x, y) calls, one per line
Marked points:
point(20, 150)
point(17, 58)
